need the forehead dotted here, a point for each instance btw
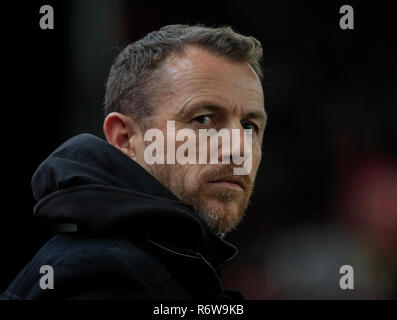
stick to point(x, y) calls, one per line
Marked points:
point(196, 72)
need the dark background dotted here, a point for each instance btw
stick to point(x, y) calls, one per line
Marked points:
point(326, 191)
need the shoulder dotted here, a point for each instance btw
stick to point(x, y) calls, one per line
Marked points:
point(76, 247)
point(80, 263)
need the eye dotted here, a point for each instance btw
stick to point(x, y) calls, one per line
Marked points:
point(250, 125)
point(203, 119)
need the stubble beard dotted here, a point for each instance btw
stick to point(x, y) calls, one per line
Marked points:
point(220, 219)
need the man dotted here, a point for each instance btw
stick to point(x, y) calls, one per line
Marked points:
point(152, 230)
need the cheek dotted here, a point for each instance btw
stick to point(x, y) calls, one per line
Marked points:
point(256, 159)
point(192, 177)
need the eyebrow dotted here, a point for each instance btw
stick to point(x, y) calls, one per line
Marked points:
point(257, 115)
point(262, 116)
point(200, 105)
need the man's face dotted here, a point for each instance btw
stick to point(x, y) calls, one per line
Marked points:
point(204, 91)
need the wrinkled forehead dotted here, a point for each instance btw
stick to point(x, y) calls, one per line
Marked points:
point(196, 70)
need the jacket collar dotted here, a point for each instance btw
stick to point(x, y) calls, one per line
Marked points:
point(90, 183)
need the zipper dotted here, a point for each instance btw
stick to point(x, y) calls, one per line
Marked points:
point(214, 272)
point(196, 256)
point(172, 251)
point(227, 260)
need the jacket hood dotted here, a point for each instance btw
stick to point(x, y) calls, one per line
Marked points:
point(88, 182)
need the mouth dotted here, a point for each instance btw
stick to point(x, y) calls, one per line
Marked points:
point(230, 182)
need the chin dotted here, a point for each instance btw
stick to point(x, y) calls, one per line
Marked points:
point(223, 217)
point(228, 209)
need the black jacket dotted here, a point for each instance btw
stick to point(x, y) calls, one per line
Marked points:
point(135, 239)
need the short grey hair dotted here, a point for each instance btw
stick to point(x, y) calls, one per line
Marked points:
point(131, 84)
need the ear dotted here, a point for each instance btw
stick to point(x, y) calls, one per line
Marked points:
point(122, 132)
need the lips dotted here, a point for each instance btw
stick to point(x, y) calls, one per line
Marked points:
point(230, 181)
